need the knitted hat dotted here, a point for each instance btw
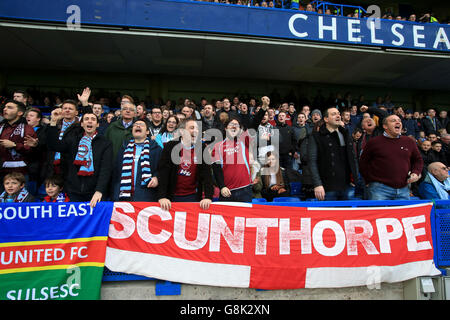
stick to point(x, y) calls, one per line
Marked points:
point(316, 111)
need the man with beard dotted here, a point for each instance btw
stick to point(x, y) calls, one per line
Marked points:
point(14, 153)
point(390, 162)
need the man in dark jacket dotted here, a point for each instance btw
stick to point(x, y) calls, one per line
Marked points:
point(67, 125)
point(430, 123)
point(88, 157)
point(183, 174)
point(410, 125)
point(331, 159)
point(38, 156)
point(287, 146)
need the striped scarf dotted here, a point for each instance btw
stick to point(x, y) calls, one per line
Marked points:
point(62, 197)
point(64, 126)
point(4, 197)
point(128, 169)
point(15, 161)
point(84, 157)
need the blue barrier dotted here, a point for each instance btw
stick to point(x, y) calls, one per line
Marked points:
point(440, 221)
point(162, 288)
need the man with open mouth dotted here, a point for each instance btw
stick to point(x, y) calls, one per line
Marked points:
point(88, 156)
point(390, 162)
point(136, 166)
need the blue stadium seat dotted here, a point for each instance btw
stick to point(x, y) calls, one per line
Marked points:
point(258, 200)
point(296, 188)
point(286, 199)
point(41, 192)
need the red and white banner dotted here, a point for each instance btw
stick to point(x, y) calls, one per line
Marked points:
point(271, 247)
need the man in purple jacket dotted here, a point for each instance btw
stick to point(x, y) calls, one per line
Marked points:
point(390, 162)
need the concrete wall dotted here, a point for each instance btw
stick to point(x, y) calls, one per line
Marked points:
point(145, 290)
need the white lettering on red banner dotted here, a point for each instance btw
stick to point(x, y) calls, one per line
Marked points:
point(270, 247)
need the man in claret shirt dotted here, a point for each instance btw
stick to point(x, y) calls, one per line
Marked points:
point(183, 175)
point(390, 162)
point(231, 165)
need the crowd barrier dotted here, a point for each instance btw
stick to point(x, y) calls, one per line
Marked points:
point(440, 227)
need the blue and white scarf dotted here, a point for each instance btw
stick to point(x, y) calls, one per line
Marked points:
point(64, 126)
point(162, 138)
point(84, 157)
point(442, 188)
point(128, 169)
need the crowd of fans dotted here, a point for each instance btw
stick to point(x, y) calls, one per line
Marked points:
point(350, 11)
point(225, 149)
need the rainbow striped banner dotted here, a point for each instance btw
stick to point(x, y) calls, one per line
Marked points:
point(52, 251)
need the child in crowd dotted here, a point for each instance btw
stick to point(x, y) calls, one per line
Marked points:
point(15, 191)
point(53, 187)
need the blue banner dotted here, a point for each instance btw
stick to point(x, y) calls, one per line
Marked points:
point(53, 221)
point(233, 19)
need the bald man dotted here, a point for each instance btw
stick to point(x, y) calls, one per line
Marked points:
point(436, 184)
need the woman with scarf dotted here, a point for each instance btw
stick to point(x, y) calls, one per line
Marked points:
point(89, 160)
point(168, 131)
point(136, 167)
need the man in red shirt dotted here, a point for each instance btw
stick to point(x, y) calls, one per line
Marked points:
point(183, 176)
point(232, 164)
point(390, 162)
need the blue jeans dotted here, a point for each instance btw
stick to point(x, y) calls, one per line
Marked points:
point(379, 191)
point(339, 195)
point(239, 195)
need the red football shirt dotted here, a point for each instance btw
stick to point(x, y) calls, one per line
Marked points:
point(187, 169)
point(233, 156)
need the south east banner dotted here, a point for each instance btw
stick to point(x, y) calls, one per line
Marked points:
point(52, 251)
point(271, 247)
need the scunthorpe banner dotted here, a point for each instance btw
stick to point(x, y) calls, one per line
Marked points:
point(52, 251)
point(271, 247)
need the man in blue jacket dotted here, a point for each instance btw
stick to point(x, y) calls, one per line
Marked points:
point(436, 184)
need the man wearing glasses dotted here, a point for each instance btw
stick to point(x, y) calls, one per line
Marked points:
point(119, 131)
point(156, 123)
point(436, 184)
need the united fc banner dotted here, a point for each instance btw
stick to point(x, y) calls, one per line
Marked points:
point(271, 247)
point(52, 250)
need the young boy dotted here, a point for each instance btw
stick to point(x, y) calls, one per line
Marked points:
point(53, 188)
point(14, 184)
